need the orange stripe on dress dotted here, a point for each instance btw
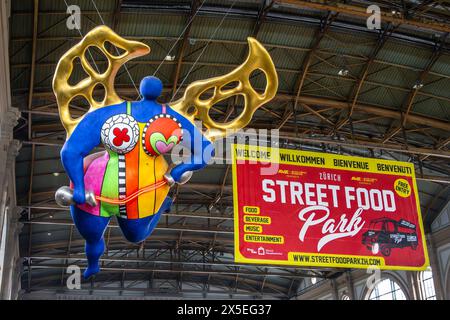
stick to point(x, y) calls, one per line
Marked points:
point(132, 181)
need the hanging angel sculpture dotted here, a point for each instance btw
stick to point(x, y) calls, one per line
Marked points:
point(131, 179)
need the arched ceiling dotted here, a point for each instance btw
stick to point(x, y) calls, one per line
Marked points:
point(343, 88)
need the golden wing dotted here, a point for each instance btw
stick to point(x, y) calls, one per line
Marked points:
point(258, 58)
point(65, 92)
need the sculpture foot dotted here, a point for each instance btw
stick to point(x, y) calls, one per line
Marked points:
point(90, 271)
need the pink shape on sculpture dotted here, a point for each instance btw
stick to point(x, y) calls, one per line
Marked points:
point(93, 180)
point(162, 147)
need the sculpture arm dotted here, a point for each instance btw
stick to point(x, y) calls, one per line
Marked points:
point(201, 151)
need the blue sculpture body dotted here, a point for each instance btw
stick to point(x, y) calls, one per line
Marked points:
point(123, 169)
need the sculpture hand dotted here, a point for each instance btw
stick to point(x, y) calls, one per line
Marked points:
point(185, 177)
point(79, 196)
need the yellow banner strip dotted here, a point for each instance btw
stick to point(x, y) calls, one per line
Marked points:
point(334, 260)
point(321, 160)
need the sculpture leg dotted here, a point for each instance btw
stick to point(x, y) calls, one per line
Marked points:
point(137, 230)
point(92, 228)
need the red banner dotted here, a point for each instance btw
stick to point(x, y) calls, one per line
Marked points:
point(325, 210)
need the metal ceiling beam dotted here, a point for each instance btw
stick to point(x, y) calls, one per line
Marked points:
point(439, 146)
point(363, 144)
point(246, 286)
point(33, 64)
point(51, 66)
point(360, 12)
point(429, 217)
point(179, 214)
point(311, 110)
point(437, 53)
point(225, 41)
point(351, 143)
point(197, 229)
point(221, 188)
point(389, 135)
point(223, 244)
point(323, 102)
point(262, 14)
point(54, 132)
point(31, 88)
point(116, 14)
point(171, 271)
point(30, 133)
point(277, 16)
point(409, 101)
point(149, 292)
point(382, 38)
point(323, 28)
point(293, 272)
point(206, 187)
point(374, 110)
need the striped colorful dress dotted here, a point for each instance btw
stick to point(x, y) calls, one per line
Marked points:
point(132, 161)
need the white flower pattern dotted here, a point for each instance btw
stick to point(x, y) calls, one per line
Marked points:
point(120, 121)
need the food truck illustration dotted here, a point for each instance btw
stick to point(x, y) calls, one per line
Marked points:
point(385, 233)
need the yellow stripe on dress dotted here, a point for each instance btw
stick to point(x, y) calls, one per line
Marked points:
point(161, 193)
point(146, 201)
point(151, 170)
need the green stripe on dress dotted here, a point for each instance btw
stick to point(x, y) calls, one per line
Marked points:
point(129, 108)
point(110, 186)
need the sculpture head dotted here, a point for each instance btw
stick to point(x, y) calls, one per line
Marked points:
point(150, 88)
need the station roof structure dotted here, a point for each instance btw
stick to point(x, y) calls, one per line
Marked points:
point(343, 88)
